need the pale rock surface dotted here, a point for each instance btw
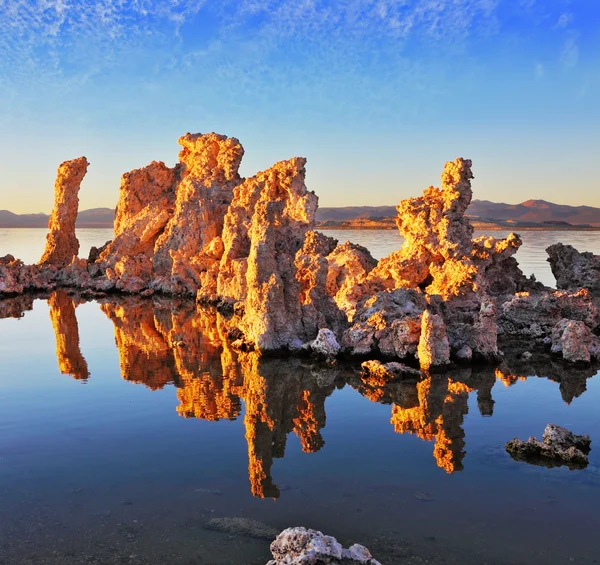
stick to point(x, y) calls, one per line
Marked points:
point(301, 546)
point(559, 446)
point(434, 348)
point(325, 344)
point(574, 340)
point(573, 270)
point(62, 244)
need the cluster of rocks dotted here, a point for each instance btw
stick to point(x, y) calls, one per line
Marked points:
point(248, 246)
point(559, 446)
point(301, 546)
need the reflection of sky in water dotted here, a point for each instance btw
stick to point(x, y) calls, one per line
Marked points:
point(92, 455)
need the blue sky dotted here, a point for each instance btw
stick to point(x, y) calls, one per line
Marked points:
point(377, 94)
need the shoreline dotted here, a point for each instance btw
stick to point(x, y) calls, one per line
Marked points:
point(478, 227)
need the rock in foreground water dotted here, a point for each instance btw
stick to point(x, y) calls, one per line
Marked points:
point(559, 446)
point(301, 546)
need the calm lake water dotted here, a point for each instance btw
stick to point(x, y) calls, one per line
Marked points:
point(127, 426)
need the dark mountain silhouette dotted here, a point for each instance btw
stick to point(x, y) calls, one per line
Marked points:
point(528, 213)
point(93, 218)
point(533, 213)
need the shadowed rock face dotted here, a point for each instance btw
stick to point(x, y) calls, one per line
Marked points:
point(61, 243)
point(574, 270)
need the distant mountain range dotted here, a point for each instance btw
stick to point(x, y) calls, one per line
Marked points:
point(93, 218)
point(531, 213)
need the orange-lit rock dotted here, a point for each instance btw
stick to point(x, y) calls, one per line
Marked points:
point(389, 321)
point(349, 266)
point(433, 349)
point(319, 309)
point(62, 244)
point(146, 203)
point(283, 215)
point(188, 253)
point(62, 313)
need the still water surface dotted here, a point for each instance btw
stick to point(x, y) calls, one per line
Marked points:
point(125, 427)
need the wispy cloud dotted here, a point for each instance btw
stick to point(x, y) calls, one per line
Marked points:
point(564, 20)
point(539, 71)
point(569, 56)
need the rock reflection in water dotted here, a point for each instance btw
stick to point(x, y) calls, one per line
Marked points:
point(169, 342)
point(62, 313)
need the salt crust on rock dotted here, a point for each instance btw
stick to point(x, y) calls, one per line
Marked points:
point(301, 546)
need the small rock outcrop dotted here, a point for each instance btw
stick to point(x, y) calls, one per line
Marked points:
point(559, 446)
point(574, 270)
point(574, 340)
point(301, 546)
point(433, 349)
point(62, 244)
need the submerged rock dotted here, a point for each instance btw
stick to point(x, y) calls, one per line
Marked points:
point(559, 446)
point(574, 270)
point(62, 244)
point(242, 527)
point(301, 546)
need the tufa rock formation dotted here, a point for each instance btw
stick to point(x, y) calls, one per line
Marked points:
point(61, 243)
point(300, 546)
point(574, 270)
point(559, 446)
point(248, 246)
